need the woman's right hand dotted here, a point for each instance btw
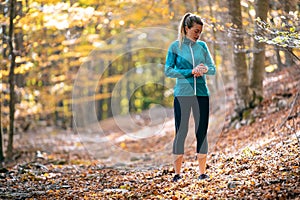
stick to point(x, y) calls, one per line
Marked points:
point(199, 70)
point(196, 72)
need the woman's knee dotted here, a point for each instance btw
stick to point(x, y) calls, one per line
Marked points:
point(201, 155)
point(177, 157)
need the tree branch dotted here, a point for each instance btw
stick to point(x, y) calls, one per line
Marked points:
point(293, 54)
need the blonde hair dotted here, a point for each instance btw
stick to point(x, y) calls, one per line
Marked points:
point(187, 20)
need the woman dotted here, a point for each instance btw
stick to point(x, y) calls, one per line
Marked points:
point(189, 61)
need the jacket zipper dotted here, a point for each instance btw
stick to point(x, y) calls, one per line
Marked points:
point(195, 92)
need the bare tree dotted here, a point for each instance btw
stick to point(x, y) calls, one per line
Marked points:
point(5, 55)
point(1, 136)
point(243, 99)
point(11, 79)
point(196, 5)
point(188, 6)
point(258, 67)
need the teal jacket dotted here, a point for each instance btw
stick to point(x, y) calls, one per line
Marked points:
point(180, 63)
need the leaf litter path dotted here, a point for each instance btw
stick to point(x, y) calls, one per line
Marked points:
point(256, 161)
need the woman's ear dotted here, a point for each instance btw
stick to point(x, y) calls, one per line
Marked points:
point(186, 29)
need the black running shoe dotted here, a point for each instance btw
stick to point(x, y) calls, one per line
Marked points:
point(176, 178)
point(203, 176)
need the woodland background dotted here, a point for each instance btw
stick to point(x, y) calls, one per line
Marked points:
point(45, 44)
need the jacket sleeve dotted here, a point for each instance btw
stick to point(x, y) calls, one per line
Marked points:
point(209, 62)
point(170, 66)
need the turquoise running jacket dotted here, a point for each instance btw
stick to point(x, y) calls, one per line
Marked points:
point(180, 62)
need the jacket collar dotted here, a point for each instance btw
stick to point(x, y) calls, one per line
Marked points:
point(188, 41)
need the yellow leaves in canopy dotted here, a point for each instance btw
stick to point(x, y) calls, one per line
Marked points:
point(48, 1)
point(90, 2)
point(138, 102)
point(20, 59)
point(88, 98)
point(54, 15)
point(35, 44)
point(213, 20)
point(84, 49)
point(60, 78)
point(59, 21)
point(3, 73)
point(245, 23)
point(24, 68)
point(292, 29)
point(112, 79)
point(228, 25)
point(55, 57)
point(33, 21)
point(71, 42)
point(3, 19)
point(271, 68)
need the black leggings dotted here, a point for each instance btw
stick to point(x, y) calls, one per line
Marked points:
point(182, 111)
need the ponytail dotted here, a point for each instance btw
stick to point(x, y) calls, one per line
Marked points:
point(187, 20)
point(181, 28)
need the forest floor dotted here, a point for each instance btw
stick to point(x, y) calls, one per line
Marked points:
point(257, 160)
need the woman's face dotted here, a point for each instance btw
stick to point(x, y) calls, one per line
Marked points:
point(194, 32)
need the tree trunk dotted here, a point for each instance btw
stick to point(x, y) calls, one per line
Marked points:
point(239, 56)
point(214, 45)
point(1, 135)
point(278, 58)
point(4, 50)
point(11, 80)
point(258, 68)
point(100, 90)
point(289, 5)
point(196, 5)
point(172, 14)
point(4, 36)
point(110, 88)
point(188, 6)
